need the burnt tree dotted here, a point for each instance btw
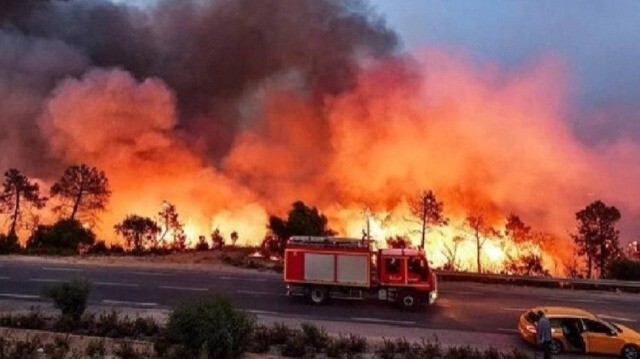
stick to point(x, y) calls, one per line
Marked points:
point(428, 212)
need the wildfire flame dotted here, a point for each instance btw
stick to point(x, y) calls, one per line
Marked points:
point(439, 123)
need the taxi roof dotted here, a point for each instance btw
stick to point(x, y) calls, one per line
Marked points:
point(554, 312)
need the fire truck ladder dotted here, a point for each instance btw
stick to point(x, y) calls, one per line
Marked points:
point(330, 242)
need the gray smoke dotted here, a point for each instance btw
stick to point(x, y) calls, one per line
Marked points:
point(210, 53)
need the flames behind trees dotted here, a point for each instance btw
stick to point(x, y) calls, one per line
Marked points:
point(232, 111)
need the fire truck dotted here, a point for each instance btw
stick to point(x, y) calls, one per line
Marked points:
point(321, 268)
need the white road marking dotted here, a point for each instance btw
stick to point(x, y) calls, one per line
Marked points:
point(4, 278)
point(61, 269)
point(154, 274)
point(264, 312)
point(460, 292)
point(510, 309)
point(577, 300)
point(194, 289)
point(45, 280)
point(19, 296)
point(508, 330)
point(384, 321)
point(255, 292)
point(119, 302)
point(112, 284)
point(618, 319)
point(243, 279)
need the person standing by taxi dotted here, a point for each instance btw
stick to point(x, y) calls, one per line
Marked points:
point(544, 334)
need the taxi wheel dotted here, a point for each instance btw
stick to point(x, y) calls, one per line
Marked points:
point(556, 347)
point(630, 352)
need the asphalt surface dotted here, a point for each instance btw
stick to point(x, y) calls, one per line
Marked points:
point(465, 307)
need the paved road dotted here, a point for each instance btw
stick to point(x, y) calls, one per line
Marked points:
point(464, 307)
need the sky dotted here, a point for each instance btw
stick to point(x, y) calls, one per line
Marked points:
point(597, 41)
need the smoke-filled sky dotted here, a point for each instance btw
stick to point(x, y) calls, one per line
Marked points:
point(232, 110)
point(599, 42)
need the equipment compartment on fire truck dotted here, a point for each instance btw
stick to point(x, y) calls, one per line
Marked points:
point(320, 268)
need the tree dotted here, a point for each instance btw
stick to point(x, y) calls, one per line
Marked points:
point(234, 238)
point(217, 240)
point(139, 232)
point(9, 243)
point(398, 242)
point(301, 221)
point(426, 208)
point(202, 244)
point(597, 237)
point(18, 193)
point(480, 231)
point(624, 269)
point(82, 191)
point(633, 250)
point(66, 236)
point(451, 253)
point(516, 230)
point(528, 264)
point(168, 219)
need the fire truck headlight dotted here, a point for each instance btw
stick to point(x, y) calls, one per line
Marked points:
point(433, 295)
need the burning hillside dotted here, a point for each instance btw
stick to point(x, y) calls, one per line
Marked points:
point(232, 110)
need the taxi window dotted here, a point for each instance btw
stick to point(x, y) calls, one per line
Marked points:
point(555, 322)
point(596, 327)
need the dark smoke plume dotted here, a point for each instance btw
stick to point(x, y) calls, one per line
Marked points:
point(211, 53)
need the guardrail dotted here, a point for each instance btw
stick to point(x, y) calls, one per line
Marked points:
point(549, 282)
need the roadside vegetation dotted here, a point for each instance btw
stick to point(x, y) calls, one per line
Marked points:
point(208, 327)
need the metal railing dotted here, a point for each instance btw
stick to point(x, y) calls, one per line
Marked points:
point(550, 282)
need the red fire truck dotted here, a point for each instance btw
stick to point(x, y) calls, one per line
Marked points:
point(320, 268)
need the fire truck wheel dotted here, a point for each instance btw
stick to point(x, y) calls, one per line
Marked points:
point(318, 295)
point(408, 300)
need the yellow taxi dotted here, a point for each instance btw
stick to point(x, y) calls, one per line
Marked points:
point(576, 330)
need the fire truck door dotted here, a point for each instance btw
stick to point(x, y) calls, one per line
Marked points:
point(416, 271)
point(393, 270)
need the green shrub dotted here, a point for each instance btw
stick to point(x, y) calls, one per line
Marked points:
point(624, 269)
point(465, 352)
point(280, 333)
point(296, 346)
point(25, 349)
point(315, 336)
point(33, 320)
point(9, 243)
point(99, 248)
point(70, 297)
point(387, 350)
point(58, 349)
point(516, 354)
point(430, 349)
point(125, 350)
point(261, 340)
point(146, 327)
point(96, 349)
point(63, 237)
point(346, 346)
point(210, 327)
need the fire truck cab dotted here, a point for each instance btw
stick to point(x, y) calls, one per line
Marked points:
point(320, 268)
